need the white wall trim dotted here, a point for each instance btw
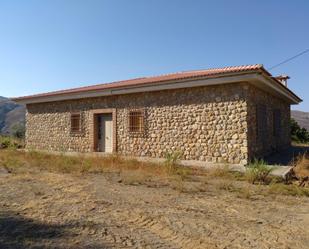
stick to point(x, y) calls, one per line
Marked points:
point(250, 77)
point(276, 89)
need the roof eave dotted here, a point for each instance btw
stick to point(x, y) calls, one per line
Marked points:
point(277, 88)
point(174, 84)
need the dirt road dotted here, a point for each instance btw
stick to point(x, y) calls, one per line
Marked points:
point(48, 210)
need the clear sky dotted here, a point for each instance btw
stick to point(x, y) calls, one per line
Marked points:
point(57, 44)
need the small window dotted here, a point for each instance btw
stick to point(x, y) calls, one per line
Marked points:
point(276, 122)
point(76, 126)
point(136, 121)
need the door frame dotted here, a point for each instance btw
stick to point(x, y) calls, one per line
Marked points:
point(94, 128)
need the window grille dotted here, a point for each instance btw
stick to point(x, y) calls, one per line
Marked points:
point(76, 122)
point(136, 121)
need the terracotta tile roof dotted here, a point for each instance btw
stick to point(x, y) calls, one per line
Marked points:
point(153, 79)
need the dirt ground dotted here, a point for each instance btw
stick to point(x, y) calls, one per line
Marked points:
point(51, 210)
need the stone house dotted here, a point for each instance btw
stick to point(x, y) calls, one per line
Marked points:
point(230, 114)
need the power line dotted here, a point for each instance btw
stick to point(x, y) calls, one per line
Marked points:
point(289, 59)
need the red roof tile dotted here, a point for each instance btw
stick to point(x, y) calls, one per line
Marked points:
point(154, 79)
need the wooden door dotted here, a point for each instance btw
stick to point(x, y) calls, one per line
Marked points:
point(105, 133)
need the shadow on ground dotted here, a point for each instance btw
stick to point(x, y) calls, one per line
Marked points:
point(18, 232)
point(286, 157)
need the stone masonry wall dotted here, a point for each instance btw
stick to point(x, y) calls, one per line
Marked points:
point(204, 123)
point(273, 142)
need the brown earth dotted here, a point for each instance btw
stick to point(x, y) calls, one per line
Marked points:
point(39, 209)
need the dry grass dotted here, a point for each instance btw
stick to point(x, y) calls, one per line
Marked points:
point(14, 159)
point(227, 185)
point(245, 193)
point(183, 186)
point(130, 169)
point(134, 177)
point(221, 172)
point(258, 172)
point(134, 172)
point(301, 169)
point(283, 189)
point(248, 191)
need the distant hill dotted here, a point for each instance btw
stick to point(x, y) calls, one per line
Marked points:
point(10, 114)
point(302, 118)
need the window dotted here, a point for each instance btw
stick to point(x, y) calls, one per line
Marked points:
point(76, 126)
point(136, 121)
point(276, 122)
point(261, 123)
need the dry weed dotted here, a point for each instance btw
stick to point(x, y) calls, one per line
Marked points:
point(134, 172)
point(245, 193)
point(221, 172)
point(283, 189)
point(227, 185)
point(14, 159)
point(134, 177)
point(301, 169)
point(258, 171)
point(182, 186)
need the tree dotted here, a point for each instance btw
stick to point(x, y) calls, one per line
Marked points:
point(299, 134)
point(18, 130)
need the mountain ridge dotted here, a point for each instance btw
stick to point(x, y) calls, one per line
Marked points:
point(301, 117)
point(11, 114)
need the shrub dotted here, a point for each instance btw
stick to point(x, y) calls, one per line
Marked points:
point(18, 131)
point(298, 134)
point(10, 143)
point(172, 159)
point(86, 165)
point(5, 142)
point(258, 171)
point(171, 163)
point(301, 169)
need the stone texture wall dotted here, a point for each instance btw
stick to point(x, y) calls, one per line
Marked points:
point(204, 123)
point(273, 142)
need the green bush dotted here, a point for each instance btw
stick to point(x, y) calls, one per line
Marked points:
point(258, 171)
point(5, 142)
point(10, 143)
point(18, 131)
point(298, 134)
point(172, 159)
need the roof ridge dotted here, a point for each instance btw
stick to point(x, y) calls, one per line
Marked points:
point(208, 69)
point(226, 67)
point(153, 79)
point(175, 73)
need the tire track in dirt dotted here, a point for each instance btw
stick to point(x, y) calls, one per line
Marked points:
point(161, 229)
point(117, 232)
point(109, 214)
point(138, 237)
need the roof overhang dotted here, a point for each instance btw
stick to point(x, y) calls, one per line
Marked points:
point(259, 79)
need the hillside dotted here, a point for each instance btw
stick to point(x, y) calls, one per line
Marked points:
point(302, 118)
point(10, 114)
